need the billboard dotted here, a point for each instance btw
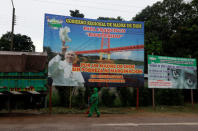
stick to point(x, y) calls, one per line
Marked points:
point(89, 52)
point(172, 72)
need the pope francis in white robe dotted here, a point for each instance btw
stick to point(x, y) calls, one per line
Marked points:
point(61, 72)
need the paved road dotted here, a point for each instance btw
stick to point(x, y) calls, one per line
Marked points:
point(116, 122)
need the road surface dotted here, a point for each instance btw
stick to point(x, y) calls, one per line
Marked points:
point(107, 122)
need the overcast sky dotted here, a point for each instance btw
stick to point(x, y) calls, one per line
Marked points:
point(30, 13)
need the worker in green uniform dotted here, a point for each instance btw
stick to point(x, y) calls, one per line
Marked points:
point(94, 103)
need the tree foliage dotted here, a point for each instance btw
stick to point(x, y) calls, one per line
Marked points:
point(76, 13)
point(21, 43)
point(170, 27)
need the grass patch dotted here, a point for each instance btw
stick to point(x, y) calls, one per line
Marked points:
point(187, 108)
point(128, 110)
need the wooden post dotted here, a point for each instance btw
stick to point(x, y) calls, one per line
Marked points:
point(153, 97)
point(9, 103)
point(192, 100)
point(191, 92)
point(49, 85)
point(137, 102)
point(70, 97)
point(50, 99)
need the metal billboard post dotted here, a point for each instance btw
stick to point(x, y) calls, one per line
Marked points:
point(70, 97)
point(191, 93)
point(137, 102)
point(9, 103)
point(153, 96)
point(49, 84)
point(50, 100)
point(192, 100)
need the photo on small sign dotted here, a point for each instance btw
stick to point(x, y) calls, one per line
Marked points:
point(182, 78)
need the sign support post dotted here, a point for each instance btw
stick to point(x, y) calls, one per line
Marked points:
point(50, 100)
point(153, 97)
point(192, 100)
point(70, 97)
point(137, 102)
point(49, 84)
point(191, 93)
point(9, 103)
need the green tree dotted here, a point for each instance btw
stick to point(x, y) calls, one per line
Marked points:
point(21, 43)
point(126, 96)
point(107, 97)
point(76, 13)
point(162, 20)
point(184, 42)
point(170, 29)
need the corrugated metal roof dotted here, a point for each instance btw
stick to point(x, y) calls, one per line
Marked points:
point(20, 53)
point(22, 61)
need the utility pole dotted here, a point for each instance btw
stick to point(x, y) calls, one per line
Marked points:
point(11, 48)
point(13, 23)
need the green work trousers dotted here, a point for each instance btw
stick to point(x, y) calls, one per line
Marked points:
point(92, 109)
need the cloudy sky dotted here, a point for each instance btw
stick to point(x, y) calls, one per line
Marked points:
point(30, 13)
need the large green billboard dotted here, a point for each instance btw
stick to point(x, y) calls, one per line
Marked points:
point(172, 72)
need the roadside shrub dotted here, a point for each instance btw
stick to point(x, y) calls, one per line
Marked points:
point(88, 91)
point(107, 98)
point(145, 96)
point(64, 95)
point(117, 102)
point(125, 96)
point(169, 97)
point(78, 99)
point(55, 99)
